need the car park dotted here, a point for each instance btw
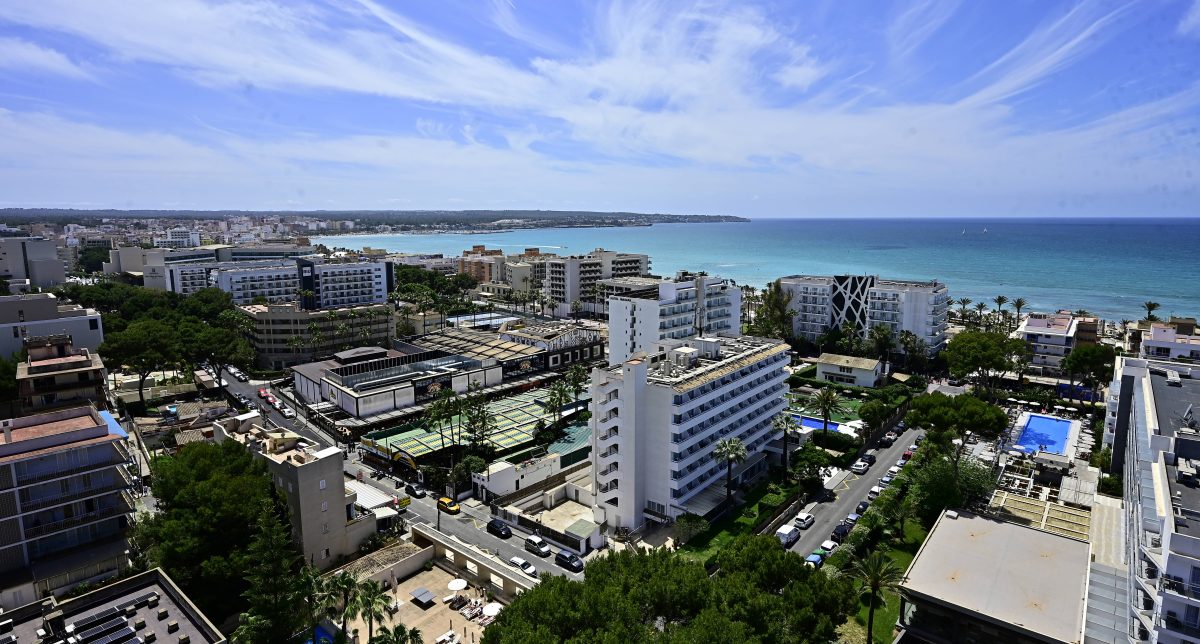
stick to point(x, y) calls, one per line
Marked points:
point(499, 528)
point(860, 467)
point(862, 507)
point(787, 535)
point(537, 546)
point(523, 566)
point(447, 505)
point(804, 520)
point(568, 560)
point(415, 491)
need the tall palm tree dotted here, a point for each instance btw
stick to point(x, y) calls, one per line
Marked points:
point(732, 451)
point(963, 303)
point(882, 340)
point(313, 595)
point(1000, 301)
point(782, 423)
point(980, 307)
point(558, 395)
point(827, 402)
point(1018, 304)
point(345, 586)
point(372, 604)
point(389, 635)
point(877, 573)
point(1151, 307)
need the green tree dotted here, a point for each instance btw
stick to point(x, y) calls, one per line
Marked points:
point(461, 473)
point(773, 317)
point(783, 423)
point(344, 586)
point(877, 573)
point(1019, 304)
point(558, 396)
point(1150, 307)
point(91, 259)
point(874, 413)
point(1093, 363)
point(576, 308)
point(145, 346)
point(688, 525)
point(826, 403)
point(983, 357)
point(963, 303)
point(730, 451)
point(8, 377)
point(372, 604)
point(916, 351)
point(938, 485)
point(577, 380)
point(209, 501)
point(952, 418)
point(315, 598)
point(271, 563)
point(808, 463)
point(882, 340)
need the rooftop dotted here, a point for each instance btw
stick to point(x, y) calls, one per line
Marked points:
point(476, 345)
point(716, 357)
point(847, 361)
point(1171, 404)
point(1049, 323)
point(1006, 573)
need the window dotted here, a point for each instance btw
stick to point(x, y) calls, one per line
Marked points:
point(93, 324)
point(324, 506)
point(289, 486)
point(325, 553)
point(322, 484)
point(324, 528)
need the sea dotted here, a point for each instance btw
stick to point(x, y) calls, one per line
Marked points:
point(1106, 266)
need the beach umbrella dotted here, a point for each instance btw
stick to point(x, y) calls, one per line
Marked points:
point(457, 584)
point(492, 609)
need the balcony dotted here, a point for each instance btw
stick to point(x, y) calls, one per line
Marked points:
point(43, 529)
point(58, 474)
point(122, 483)
point(1173, 623)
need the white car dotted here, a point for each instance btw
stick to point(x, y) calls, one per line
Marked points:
point(804, 520)
point(894, 470)
point(523, 566)
point(860, 467)
point(287, 412)
point(874, 492)
point(829, 546)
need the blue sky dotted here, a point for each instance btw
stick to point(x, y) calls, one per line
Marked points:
point(775, 109)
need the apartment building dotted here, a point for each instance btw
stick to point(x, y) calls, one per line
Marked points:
point(177, 238)
point(43, 314)
point(325, 284)
point(32, 258)
point(688, 306)
point(344, 283)
point(1153, 426)
point(867, 301)
point(326, 525)
point(1050, 338)
point(657, 418)
point(571, 278)
point(288, 334)
point(1175, 339)
point(150, 263)
point(428, 261)
point(64, 500)
point(55, 373)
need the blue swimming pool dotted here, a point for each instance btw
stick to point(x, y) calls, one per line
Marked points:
point(323, 637)
point(814, 423)
point(1046, 433)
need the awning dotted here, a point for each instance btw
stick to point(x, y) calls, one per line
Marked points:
point(384, 513)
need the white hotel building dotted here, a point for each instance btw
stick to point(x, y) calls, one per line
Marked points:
point(867, 301)
point(1050, 338)
point(689, 306)
point(656, 420)
point(332, 284)
point(571, 278)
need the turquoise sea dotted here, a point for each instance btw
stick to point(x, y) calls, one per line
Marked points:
point(1107, 266)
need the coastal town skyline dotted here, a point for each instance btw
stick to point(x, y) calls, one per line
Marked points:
point(928, 109)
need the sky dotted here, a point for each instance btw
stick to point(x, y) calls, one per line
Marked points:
point(852, 108)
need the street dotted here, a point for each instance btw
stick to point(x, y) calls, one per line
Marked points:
point(468, 526)
point(849, 492)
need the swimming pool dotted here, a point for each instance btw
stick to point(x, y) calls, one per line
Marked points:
point(1045, 433)
point(814, 423)
point(323, 636)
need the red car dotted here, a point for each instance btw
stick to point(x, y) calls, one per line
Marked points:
point(262, 393)
point(271, 399)
point(908, 455)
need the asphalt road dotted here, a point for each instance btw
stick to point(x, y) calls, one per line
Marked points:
point(851, 490)
point(298, 425)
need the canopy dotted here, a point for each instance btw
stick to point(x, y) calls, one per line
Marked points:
point(492, 609)
point(457, 584)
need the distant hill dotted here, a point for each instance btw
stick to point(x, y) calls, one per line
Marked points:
point(415, 219)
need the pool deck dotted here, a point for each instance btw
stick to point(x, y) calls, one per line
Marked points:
point(1070, 447)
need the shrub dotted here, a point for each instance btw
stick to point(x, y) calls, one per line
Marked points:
point(771, 500)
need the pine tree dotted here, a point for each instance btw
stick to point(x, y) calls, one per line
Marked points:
point(272, 616)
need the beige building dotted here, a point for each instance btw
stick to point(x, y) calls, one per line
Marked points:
point(325, 522)
point(56, 373)
point(287, 334)
point(849, 370)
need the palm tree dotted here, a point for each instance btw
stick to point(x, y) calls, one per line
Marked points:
point(877, 573)
point(980, 307)
point(1018, 304)
point(372, 604)
point(345, 586)
point(827, 402)
point(1000, 301)
point(314, 595)
point(732, 452)
point(882, 340)
point(1151, 307)
point(388, 635)
point(783, 424)
point(963, 303)
point(558, 395)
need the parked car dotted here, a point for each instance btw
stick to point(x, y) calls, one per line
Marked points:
point(920, 438)
point(287, 412)
point(839, 533)
point(537, 546)
point(886, 480)
point(862, 507)
point(893, 470)
point(821, 552)
point(523, 566)
point(415, 491)
point(859, 467)
point(262, 393)
point(804, 520)
point(569, 560)
point(813, 561)
point(499, 528)
point(890, 437)
point(908, 454)
point(787, 535)
point(851, 518)
point(830, 546)
point(869, 457)
point(902, 462)
point(874, 492)
point(447, 505)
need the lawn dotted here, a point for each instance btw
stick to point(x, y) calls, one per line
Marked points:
point(851, 404)
point(736, 523)
point(902, 554)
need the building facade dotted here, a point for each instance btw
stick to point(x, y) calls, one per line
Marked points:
point(1173, 340)
point(284, 335)
point(64, 482)
point(32, 258)
point(656, 420)
point(177, 238)
point(55, 373)
point(686, 307)
point(849, 370)
point(1050, 338)
point(572, 278)
point(821, 303)
point(42, 314)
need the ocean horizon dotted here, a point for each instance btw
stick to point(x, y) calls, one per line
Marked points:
point(1106, 265)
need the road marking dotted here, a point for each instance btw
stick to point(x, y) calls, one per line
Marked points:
point(845, 484)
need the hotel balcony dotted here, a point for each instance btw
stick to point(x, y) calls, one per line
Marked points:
point(122, 483)
point(124, 506)
point(29, 479)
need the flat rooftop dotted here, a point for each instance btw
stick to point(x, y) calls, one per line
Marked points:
point(734, 353)
point(1005, 573)
point(476, 345)
point(847, 361)
point(1172, 403)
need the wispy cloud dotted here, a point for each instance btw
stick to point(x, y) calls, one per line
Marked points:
point(916, 24)
point(1190, 23)
point(26, 57)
